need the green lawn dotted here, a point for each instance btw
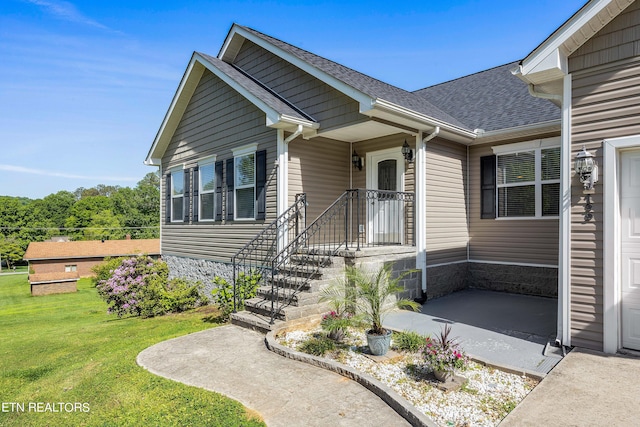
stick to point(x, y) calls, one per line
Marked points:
point(65, 351)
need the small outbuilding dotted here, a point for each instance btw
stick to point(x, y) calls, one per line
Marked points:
point(54, 267)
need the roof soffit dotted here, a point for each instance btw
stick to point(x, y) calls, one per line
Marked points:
point(549, 61)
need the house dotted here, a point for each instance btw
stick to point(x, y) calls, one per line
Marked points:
point(55, 266)
point(264, 147)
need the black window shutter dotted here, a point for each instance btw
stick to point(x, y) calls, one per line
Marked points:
point(229, 189)
point(261, 181)
point(219, 189)
point(488, 187)
point(167, 203)
point(187, 190)
point(196, 196)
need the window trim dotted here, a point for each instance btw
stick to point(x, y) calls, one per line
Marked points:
point(245, 150)
point(535, 146)
point(172, 196)
point(206, 161)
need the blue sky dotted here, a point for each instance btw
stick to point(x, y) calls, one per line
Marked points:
point(84, 85)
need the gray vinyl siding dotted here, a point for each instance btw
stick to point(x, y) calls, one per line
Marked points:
point(605, 104)
point(617, 41)
point(319, 167)
point(446, 223)
point(323, 103)
point(216, 121)
point(520, 241)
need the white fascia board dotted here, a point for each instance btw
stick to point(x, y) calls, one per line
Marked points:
point(421, 119)
point(185, 89)
point(364, 99)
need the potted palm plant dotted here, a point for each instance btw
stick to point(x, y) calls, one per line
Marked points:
point(371, 295)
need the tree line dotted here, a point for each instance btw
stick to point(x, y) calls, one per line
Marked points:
point(101, 212)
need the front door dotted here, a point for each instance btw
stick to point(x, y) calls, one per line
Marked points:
point(630, 247)
point(385, 172)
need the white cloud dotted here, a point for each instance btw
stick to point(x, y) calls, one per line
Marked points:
point(20, 169)
point(68, 12)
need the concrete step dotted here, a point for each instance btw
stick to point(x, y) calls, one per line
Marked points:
point(297, 298)
point(289, 312)
point(302, 271)
point(255, 321)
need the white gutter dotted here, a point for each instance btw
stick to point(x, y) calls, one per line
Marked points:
point(421, 206)
point(550, 96)
point(398, 110)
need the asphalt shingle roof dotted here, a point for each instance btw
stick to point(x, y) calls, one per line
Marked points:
point(91, 248)
point(368, 85)
point(491, 100)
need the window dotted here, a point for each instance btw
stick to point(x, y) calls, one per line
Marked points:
point(70, 268)
point(528, 180)
point(177, 195)
point(245, 186)
point(207, 189)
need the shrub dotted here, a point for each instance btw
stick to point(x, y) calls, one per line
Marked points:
point(336, 324)
point(139, 287)
point(317, 345)
point(105, 269)
point(408, 341)
point(246, 287)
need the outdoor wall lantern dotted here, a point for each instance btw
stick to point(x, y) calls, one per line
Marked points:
point(407, 152)
point(356, 160)
point(586, 168)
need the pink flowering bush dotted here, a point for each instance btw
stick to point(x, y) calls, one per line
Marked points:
point(140, 287)
point(444, 353)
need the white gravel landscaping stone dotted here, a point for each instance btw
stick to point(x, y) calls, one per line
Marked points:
point(484, 401)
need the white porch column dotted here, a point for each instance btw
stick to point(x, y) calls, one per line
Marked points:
point(282, 184)
point(564, 249)
point(421, 209)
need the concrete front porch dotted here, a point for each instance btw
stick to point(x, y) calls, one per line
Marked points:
point(499, 328)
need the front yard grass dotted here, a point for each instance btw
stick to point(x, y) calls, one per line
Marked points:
point(67, 352)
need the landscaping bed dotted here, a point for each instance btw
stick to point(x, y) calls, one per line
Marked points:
point(488, 395)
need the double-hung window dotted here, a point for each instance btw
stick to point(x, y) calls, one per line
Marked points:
point(245, 182)
point(177, 195)
point(207, 188)
point(528, 179)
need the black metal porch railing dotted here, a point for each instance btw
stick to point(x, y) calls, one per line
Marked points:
point(257, 255)
point(358, 218)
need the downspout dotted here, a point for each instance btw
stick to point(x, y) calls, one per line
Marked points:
point(563, 337)
point(421, 210)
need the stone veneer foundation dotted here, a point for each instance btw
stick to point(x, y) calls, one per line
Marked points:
point(201, 270)
point(517, 279)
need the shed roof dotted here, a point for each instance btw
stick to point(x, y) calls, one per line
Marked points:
point(91, 249)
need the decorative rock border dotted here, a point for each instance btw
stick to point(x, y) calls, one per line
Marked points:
point(398, 403)
point(390, 397)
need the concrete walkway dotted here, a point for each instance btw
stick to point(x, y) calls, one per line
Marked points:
point(235, 362)
point(585, 389)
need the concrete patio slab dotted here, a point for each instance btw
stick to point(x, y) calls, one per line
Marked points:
point(500, 328)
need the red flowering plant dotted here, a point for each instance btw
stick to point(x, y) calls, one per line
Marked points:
point(336, 324)
point(444, 353)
